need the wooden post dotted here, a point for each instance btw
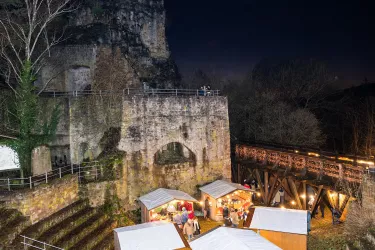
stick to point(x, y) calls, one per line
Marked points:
point(343, 205)
point(337, 205)
point(272, 190)
point(260, 184)
point(304, 200)
point(317, 198)
point(295, 193)
point(266, 186)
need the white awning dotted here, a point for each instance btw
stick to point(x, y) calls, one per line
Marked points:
point(280, 220)
point(220, 188)
point(162, 196)
point(8, 159)
point(147, 236)
point(232, 238)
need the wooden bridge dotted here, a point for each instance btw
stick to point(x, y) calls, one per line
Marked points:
point(329, 174)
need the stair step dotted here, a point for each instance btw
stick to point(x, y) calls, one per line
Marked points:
point(55, 233)
point(36, 230)
point(13, 228)
point(95, 236)
point(107, 243)
point(81, 231)
point(8, 215)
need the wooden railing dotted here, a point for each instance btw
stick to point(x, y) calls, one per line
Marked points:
point(329, 164)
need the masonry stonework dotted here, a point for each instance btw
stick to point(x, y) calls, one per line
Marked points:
point(44, 200)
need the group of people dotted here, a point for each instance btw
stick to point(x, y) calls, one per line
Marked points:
point(188, 222)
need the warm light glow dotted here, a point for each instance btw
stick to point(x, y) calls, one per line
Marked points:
point(303, 196)
point(201, 202)
point(282, 207)
point(227, 196)
point(210, 203)
point(296, 151)
point(220, 200)
point(333, 194)
point(345, 159)
point(313, 154)
point(236, 192)
point(152, 210)
point(229, 200)
point(366, 162)
point(311, 196)
point(154, 216)
point(293, 203)
point(258, 194)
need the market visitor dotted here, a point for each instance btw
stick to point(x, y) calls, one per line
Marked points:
point(282, 194)
point(234, 218)
point(191, 215)
point(184, 216)
point(177, 220)
point(322, 207)
point(197, 226)
point(225, 211)
point(207, 208)
point(189, 229)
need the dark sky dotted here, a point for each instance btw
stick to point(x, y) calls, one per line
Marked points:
point(231, 36)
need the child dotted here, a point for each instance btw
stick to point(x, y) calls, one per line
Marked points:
point(189, 229)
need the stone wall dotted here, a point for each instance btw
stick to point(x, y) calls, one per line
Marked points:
point(197, 126)
point(44, 200)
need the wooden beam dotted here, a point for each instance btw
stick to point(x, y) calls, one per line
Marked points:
point(266, 189)
point(260, 184)
point(304, 200)
point(295, 193)
point(329, 199)
point(317, 199)
point(272, 190)
point(285, 185)
point(343, 204)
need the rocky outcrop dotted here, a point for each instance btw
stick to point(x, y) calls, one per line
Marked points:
point(124, 39)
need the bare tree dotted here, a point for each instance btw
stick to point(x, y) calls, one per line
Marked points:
point(25, 35)
point(25, 40)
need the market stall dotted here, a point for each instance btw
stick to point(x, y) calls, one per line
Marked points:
point(155, 235)
point(164, 204)
point(232, 238)
point(220, 195)
point(286, 228)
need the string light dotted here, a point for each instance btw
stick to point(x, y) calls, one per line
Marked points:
point(258, 194)
point(303, 196)
point(293, 203)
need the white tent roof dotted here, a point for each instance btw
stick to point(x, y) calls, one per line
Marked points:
point(220, 188)
point(162, 196)
point(280, 220)
point(232, 238)
point(147, 236)
point(8, 159)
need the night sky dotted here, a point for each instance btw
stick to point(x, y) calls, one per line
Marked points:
point(231, 36)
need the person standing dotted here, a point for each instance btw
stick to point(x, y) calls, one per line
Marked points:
point(189, 229)
point(207, 208)
point(225, 211)
point(282, 195)
point(177, 220)
point(234, 218)
point(322, 207)
point(184, 216)
point(197, 226)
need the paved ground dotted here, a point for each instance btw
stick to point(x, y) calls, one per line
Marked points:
point(324, 235)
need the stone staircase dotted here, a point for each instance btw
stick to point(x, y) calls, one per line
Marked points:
point(12, 223)
point(77, 226)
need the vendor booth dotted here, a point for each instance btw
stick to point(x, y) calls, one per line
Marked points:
point(155, 235)
point(223, 238)
point(220, 195)
point(163, 204)
point(286, 228)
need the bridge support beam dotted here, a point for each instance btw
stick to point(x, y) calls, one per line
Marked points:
point(317, 200)
point(260, 184)
point(266, 187)
point(295, 192)
point(304, 194)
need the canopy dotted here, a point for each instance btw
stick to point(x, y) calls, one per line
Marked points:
point(220, 188)
point(8, 159)
point(162, 196)
point(232, 238)
point(280, 220)
point(147, 236)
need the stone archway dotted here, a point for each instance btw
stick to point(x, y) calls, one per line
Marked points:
point(174, 153)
